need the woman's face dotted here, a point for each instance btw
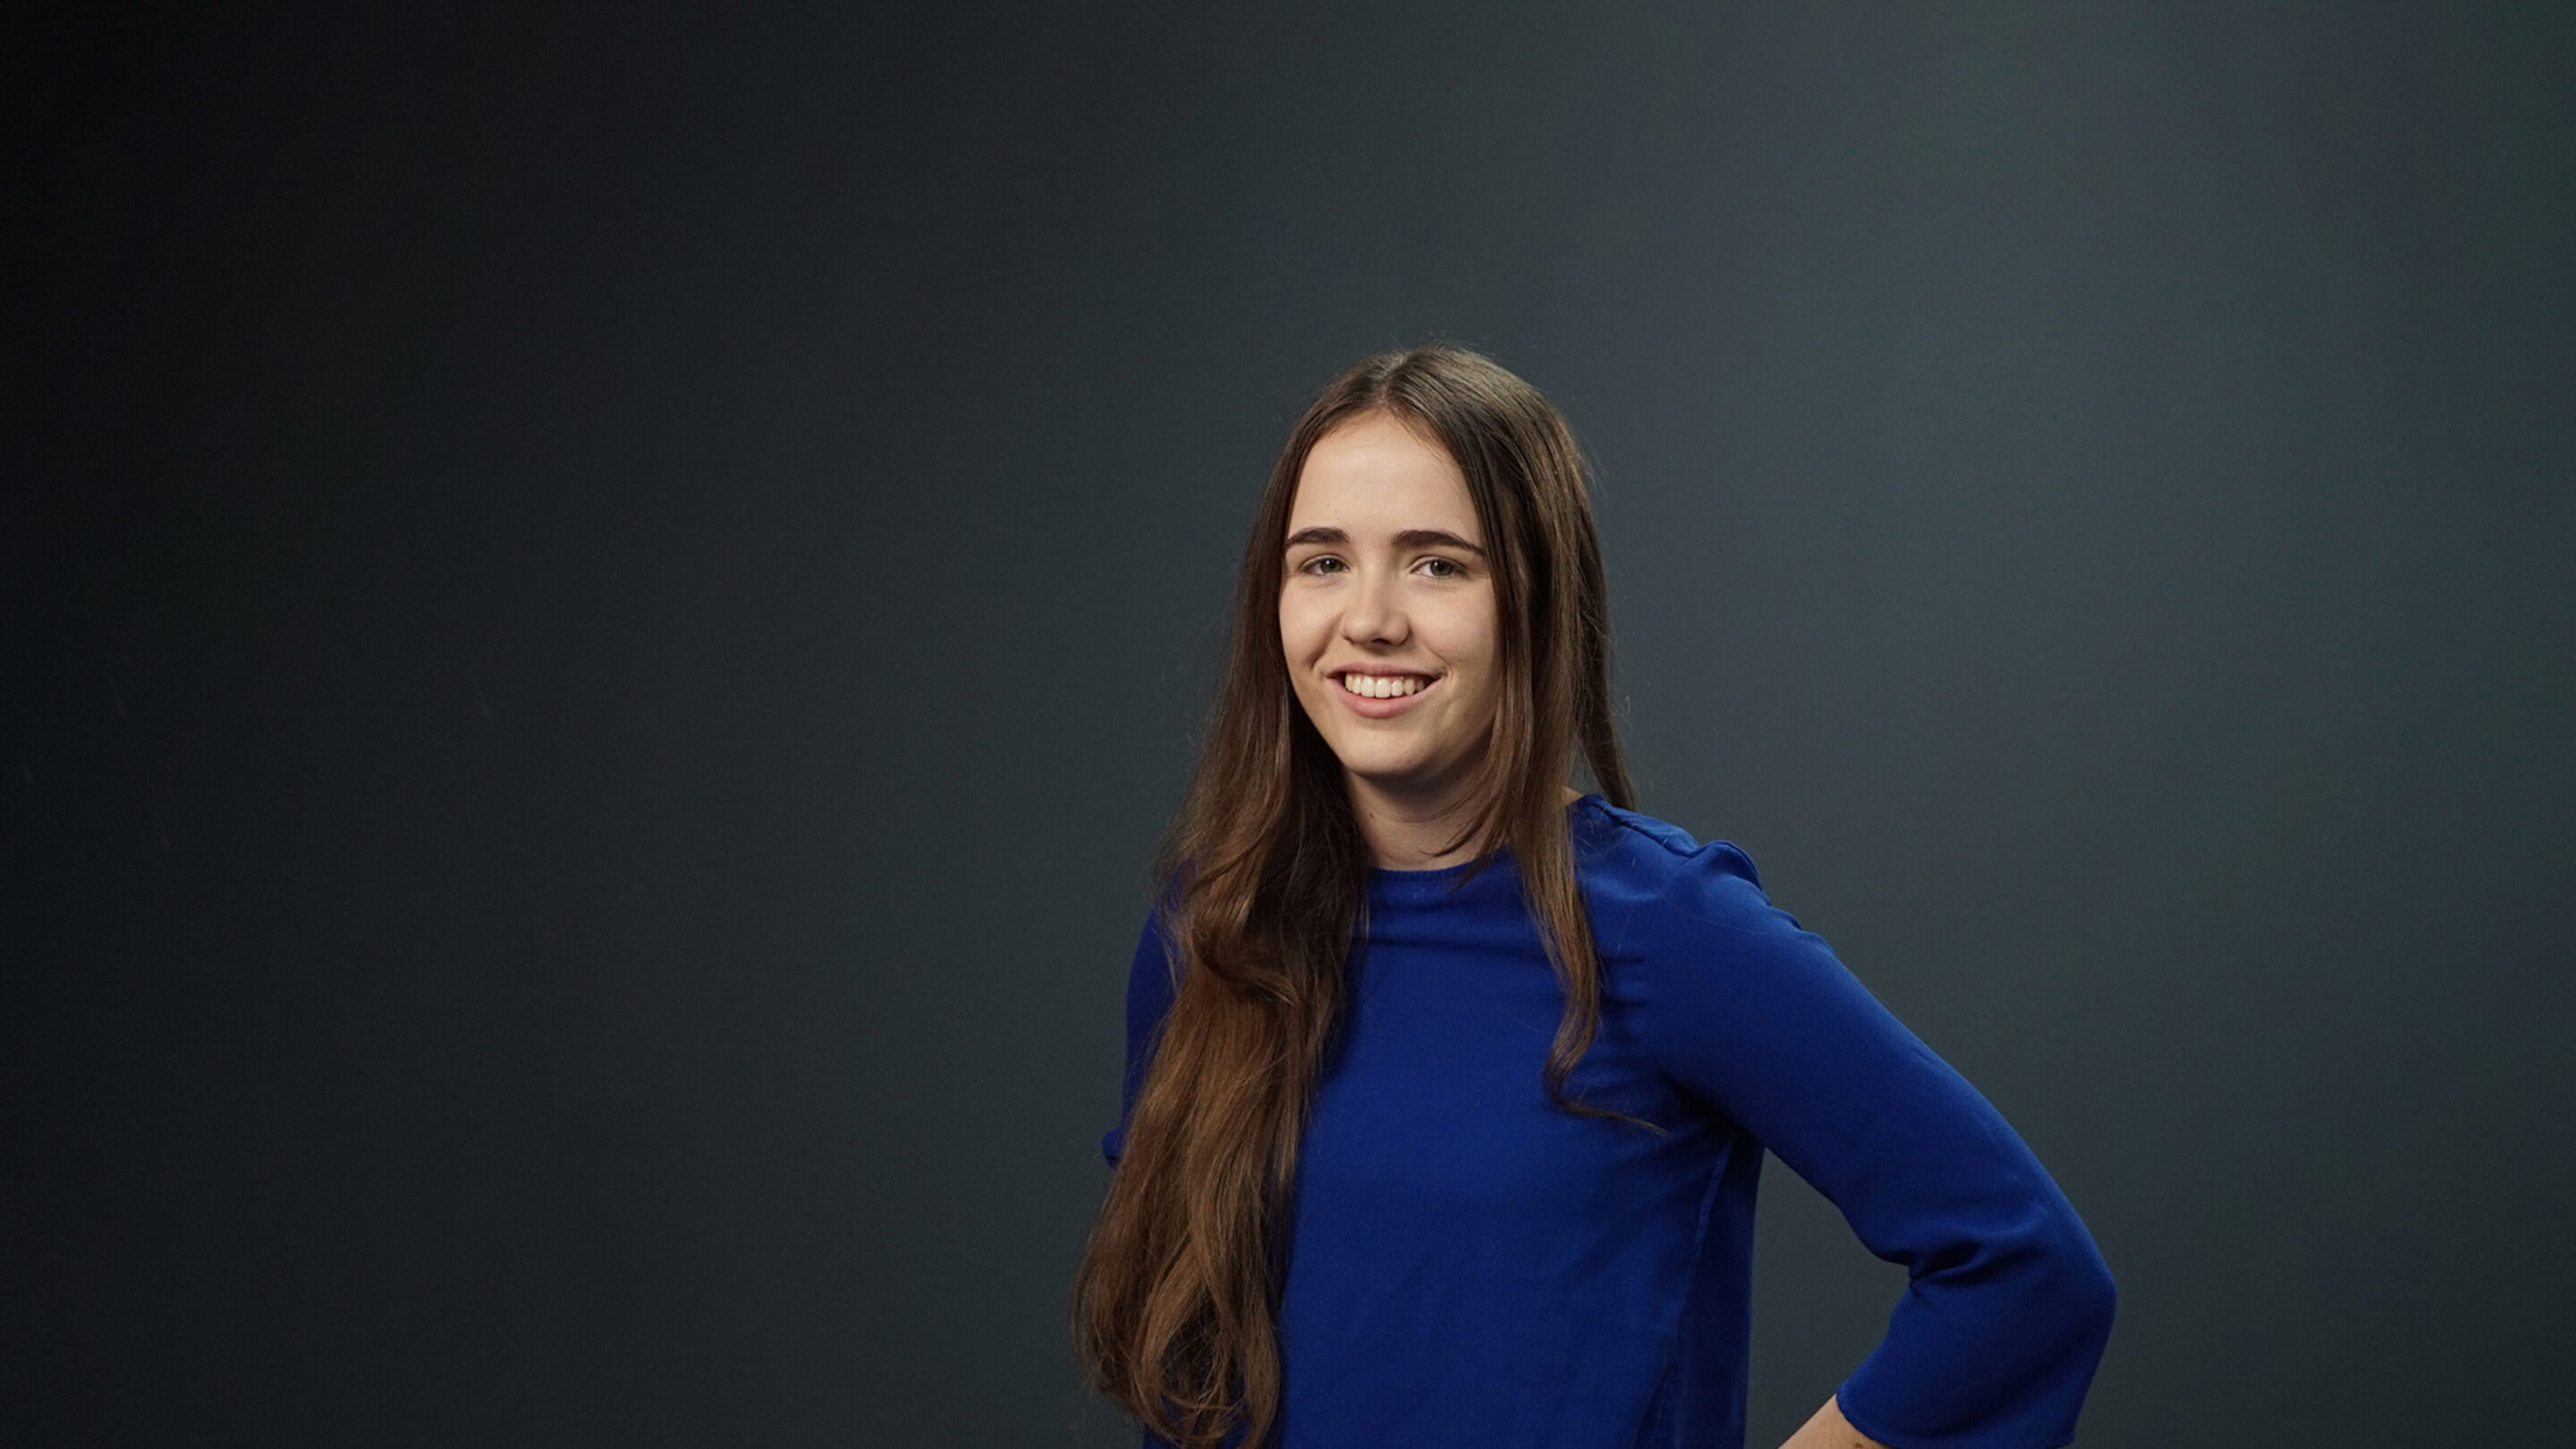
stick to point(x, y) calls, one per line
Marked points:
point(1387, 608)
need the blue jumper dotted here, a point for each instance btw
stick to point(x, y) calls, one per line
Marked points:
point(1469, 1266)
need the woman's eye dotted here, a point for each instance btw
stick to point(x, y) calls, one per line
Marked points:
point(1320, 565)
point(1442, 568)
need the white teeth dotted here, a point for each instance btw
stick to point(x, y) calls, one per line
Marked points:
point(1382, 686)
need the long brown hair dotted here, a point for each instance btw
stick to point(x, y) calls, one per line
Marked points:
point(1176, 1302)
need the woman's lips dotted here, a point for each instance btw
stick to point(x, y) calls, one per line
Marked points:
point(1368, 708)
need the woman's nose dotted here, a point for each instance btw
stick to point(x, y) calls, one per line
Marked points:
point(1376, 614)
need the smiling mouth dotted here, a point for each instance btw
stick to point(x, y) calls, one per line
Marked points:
point(1383, 686)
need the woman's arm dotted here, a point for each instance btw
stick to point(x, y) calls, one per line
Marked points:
point(1149, 997)
point(2007, 1304)
point(1830, 1430)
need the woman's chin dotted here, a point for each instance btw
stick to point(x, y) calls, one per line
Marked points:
point(1408, 777)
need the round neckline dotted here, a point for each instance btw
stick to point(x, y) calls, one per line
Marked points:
point(1438, 872)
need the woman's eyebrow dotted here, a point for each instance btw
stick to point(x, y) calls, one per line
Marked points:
point(1409, 538)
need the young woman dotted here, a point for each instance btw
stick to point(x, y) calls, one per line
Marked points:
point(1448, 1085)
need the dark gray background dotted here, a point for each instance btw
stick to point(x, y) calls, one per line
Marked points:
point(602, 612)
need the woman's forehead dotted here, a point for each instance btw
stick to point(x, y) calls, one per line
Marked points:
point(1376, 475)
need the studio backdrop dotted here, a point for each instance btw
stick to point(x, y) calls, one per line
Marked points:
point(603, 607)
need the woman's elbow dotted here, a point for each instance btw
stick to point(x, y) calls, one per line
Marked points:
point(2084, 1290)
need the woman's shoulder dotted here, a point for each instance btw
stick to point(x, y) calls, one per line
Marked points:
point(1630, 859)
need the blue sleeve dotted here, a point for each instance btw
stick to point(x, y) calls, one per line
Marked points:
point(1996, 1338)
point(1149, 995)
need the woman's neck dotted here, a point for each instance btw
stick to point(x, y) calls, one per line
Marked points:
point(1406, 832)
